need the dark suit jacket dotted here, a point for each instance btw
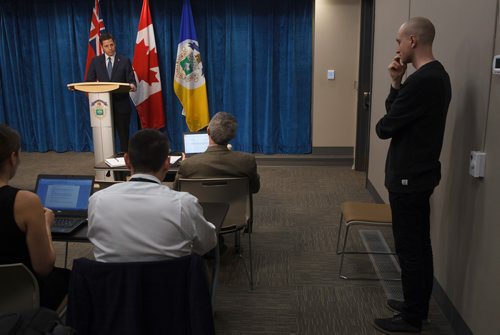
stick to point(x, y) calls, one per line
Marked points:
point(122, 73)
point(219, 161)
point(162, 297)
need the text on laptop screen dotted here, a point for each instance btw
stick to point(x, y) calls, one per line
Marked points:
point(65, 194)
point(195, 143)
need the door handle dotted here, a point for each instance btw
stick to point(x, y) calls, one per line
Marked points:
point(366, 99)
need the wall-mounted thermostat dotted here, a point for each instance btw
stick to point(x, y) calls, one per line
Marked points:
point(496, 64)
point(477, 164)
point(330, 74)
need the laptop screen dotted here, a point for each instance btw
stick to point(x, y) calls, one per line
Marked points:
point(64, 193)
point(195, 143)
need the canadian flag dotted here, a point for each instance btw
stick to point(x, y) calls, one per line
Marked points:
point(94, 47)
point(147, 98)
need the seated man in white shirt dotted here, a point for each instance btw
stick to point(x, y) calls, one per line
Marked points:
point(143, 220)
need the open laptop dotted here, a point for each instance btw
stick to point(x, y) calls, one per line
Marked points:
point(195, 143)
point(68, 197)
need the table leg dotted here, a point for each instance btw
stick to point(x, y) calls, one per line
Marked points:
point(66, 255)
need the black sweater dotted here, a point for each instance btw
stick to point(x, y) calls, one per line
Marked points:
point(415, 122)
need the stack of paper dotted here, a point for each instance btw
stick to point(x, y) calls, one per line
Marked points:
point(174, 159)
point(115, 162)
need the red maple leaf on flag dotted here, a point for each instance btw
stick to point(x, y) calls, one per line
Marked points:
point(143, 63)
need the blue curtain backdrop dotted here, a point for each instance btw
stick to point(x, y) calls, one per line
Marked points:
point(257, 56)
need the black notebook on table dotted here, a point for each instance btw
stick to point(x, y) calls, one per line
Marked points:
point(68, 197)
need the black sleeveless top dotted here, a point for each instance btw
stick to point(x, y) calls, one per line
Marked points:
point(13, 247)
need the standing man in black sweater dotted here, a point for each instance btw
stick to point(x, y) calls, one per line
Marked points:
point(415, 123)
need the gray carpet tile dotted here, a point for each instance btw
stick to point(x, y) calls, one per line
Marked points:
point(318, 239)
point(271, 240)
point(272, 269)
point(34, 163)
point(313, 269)
point(331, 310)
point(264, 310)
point(297, 288)
point(271, 217)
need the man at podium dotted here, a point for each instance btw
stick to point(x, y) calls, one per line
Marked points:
point(115, 68)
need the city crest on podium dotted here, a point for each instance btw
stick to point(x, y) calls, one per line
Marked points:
point(99, 108)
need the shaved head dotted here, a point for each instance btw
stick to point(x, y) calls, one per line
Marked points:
point(420, 27)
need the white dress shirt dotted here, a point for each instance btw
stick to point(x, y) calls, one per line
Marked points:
point(147, 221)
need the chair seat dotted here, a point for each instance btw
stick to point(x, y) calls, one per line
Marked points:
point(366, 212)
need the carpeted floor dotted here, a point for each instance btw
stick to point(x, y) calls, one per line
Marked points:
point(297, 289)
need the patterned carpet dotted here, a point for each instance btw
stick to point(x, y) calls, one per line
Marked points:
point(297, 289)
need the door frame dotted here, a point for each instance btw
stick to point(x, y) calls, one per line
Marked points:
point(363, 119)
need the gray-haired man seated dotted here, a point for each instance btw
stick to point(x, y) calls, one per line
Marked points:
point(218, 160)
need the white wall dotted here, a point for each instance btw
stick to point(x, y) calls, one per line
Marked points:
point(465, 211)
point(336, 46)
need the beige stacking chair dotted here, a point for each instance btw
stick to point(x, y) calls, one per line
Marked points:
point(239, 218)
point(361, 214)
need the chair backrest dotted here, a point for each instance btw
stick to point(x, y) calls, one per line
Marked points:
point(18, 288)
point(234, 191)
point(160, 297)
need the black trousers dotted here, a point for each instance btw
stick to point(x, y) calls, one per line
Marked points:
point(53, 287)
point(121, 123)
point(411, 229)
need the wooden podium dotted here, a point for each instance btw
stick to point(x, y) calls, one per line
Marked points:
point(101, 118)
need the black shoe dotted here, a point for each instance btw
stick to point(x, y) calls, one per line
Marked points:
point(396, 324)
point(395, 305)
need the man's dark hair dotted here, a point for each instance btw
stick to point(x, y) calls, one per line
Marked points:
point(148, 150)
point(10, 141)
point(222, 128)
point(105, 37)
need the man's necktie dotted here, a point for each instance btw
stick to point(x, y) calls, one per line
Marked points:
point(110, 67)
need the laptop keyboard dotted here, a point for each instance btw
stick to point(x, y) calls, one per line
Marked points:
point(66, 222)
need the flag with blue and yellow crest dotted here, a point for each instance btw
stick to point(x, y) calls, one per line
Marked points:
point(189, 78)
